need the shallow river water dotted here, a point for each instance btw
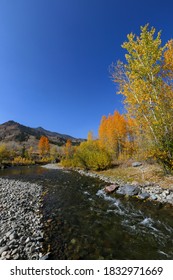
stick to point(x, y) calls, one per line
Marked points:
point(82, 222)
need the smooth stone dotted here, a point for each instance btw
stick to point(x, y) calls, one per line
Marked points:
point(35, 257)
point(45, 257)
point(1, 242)
point(153, 197)
point(111, 188)
point(136, 164)
point(28, 240)
point(22, 239)
point(32, 248)
point(2, 249)
point(12, 242)
point(128, 190)
point(144, 195)
point(4, 254)
point(9, 233)
point(169, 197)
point(16, 257)
point(13, 236)
point(8, 257)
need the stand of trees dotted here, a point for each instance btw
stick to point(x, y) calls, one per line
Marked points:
point(146, 130)
point(146, 82)
point(27, 156)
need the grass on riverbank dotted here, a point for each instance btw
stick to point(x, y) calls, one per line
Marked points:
point(145, 173)
point(125, 173)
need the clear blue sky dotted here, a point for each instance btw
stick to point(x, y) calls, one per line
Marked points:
point(55, 54)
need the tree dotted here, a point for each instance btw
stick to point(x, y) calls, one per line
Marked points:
point(30, 152)
point(145, 80)
point(4, 153)
point(54, 153)
point(116, 134)
point(24, 152)
point(43, 146)
point(68, 149)
point(90, 155)
point(90, 136)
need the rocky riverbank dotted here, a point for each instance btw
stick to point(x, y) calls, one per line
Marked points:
point(21, 228)
point(143, 191)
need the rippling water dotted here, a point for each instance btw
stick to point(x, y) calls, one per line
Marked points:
point(83, 222)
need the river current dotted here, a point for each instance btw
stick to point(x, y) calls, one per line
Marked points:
point(82, 222)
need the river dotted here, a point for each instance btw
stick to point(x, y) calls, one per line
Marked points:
point(82, 222)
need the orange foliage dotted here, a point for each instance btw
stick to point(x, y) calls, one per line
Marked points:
point(43, 146)
point(68, 149)
point(116, 133)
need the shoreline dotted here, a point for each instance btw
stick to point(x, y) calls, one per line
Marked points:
point(21, 217)
point(146, 191)
point(143, 191)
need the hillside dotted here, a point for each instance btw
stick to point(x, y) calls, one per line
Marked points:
point(16, 135)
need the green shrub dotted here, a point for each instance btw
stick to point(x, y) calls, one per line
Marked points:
point(89, 155)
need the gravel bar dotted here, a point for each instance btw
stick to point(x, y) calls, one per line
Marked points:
point(21, 228)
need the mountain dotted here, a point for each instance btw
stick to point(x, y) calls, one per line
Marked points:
point(15, 134)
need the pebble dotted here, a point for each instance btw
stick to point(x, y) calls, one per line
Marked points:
point(45, 257)
point(2, 249)
point(20, 218)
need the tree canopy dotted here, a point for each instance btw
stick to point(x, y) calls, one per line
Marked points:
point(146, 82)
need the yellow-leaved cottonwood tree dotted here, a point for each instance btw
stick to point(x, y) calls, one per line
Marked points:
point(146, 82)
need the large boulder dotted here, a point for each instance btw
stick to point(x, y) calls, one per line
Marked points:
point(111, 188)
point(128, 190)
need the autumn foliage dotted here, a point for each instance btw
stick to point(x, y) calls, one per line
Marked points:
point(146, 130)
point(4, 153)
point(43, 146)
point(68, 149)
point(146, 82)
point(88, 155)
point(116, 134)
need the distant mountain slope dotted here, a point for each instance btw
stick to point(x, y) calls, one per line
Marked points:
point(17, 134)
point(53, 134)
